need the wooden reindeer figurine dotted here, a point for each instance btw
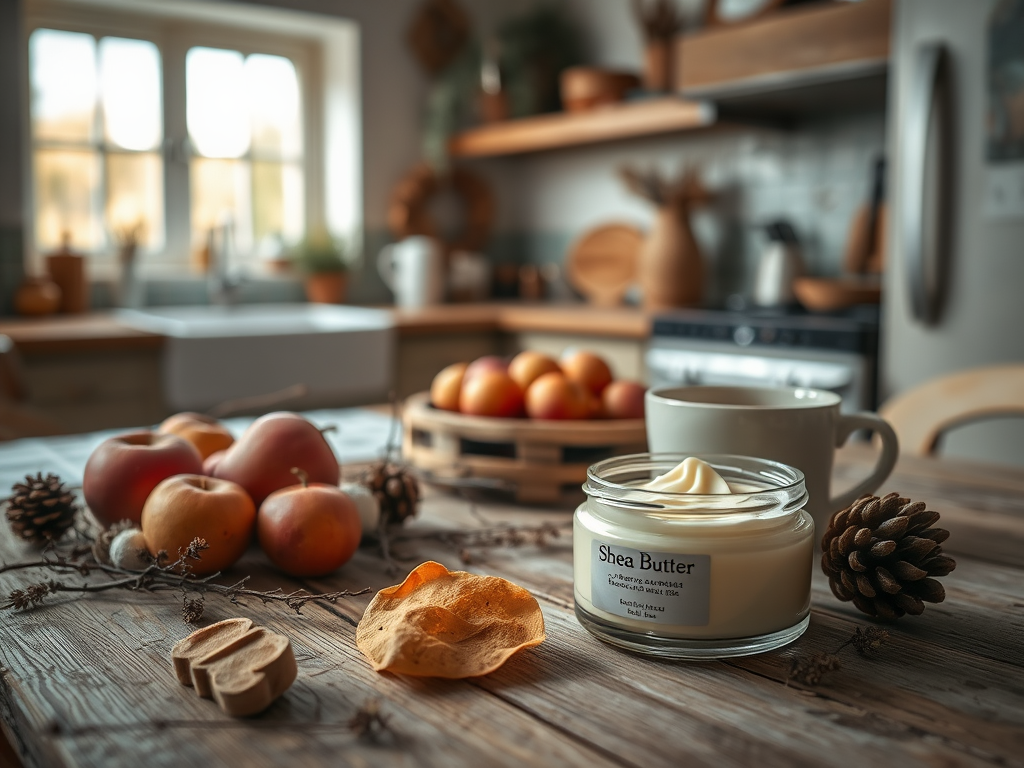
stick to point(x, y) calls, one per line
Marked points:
point(671, 272)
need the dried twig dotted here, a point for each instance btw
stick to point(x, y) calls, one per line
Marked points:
point(659, 20)
point(368, 722)
point(159, 576)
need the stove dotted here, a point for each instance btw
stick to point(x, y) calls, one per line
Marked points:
point(755, 347)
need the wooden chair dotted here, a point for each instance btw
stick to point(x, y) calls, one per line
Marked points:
point(17, 417)
point(922, 414)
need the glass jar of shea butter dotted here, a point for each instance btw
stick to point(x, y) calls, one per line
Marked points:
point(693, 575)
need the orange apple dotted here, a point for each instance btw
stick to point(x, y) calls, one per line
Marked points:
point(587, 370)
point(527, 367)
point(624, 400)
point(485, 364)
point(553, 396)
point(446, 387)
point(310, 529)
point(204, 432)
point(124, 469)
point(491, 393)
point(185, 507)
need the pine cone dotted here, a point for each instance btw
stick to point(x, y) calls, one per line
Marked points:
point(41, 509)
point(396, 491)
point(882, 553)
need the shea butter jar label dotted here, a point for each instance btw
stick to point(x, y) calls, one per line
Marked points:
point(659, 587)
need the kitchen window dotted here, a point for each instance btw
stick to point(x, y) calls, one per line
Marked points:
point(171, 131)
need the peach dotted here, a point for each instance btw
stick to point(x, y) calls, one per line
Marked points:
point(588, 370)
point(624, 400)
point(123, 470)
point(553, 396)
point(527, 367)
point(491, 393)
point(185, 507)
point(447, 386)
point(483, 365)
point(310, 529)
point(204, 432)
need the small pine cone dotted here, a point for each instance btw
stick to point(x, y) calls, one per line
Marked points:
point(397, 492)
point(884, 555)
point(41, 509)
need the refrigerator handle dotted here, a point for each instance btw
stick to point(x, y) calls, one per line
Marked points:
point(925, 184)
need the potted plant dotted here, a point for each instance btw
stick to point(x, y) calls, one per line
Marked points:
point(320, 260)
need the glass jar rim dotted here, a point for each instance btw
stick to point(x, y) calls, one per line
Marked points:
point(785, 485)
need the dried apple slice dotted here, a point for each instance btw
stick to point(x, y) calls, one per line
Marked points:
point(441, 623)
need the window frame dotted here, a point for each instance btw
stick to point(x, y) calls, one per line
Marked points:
point(174, 36)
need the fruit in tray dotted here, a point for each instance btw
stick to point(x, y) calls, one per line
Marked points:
point(123, 470)
point(579, 386)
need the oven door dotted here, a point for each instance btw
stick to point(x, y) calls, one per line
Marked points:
point(683, 367)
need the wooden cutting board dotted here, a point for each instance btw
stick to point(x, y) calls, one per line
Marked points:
point(602, 264)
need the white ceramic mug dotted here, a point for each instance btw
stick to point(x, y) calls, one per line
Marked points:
point(798, 427)
point(414, 271)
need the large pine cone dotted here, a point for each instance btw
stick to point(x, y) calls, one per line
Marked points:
point(882, 555)
point(41, 509)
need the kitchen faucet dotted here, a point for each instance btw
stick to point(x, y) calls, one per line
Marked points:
point(222, 284)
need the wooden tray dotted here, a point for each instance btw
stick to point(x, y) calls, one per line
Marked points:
point(536, 459)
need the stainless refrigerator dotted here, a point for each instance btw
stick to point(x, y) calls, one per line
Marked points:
point(953, 294)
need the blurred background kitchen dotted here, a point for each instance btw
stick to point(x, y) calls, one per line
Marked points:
point(205, 203)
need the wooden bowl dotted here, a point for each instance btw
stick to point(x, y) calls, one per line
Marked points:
point(538, 460)
point(823, 294)
point(583, 88)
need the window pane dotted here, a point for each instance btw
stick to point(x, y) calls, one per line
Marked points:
point(221, 194)
point(277, 202)
point(135, 197)
point(130, 92)
point(272, 87)
point(63, 78)
point(66, 186)
point(216, 109)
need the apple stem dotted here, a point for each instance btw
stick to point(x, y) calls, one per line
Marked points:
point(329, 428)
point(302, 475)
point(202, 483)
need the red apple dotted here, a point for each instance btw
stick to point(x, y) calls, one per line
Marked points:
point(310, 529)
point(624, 400)
point(485, 364)
point(210, 462)
point(528, 366)
point(185, 507)
point(553, 396)
point(123, 470)
point(492, 393)
point(446, 387)
point(262, 458)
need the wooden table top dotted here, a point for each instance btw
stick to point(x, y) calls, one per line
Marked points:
point(87, 680)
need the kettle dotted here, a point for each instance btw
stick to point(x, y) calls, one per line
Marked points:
point(780, 264)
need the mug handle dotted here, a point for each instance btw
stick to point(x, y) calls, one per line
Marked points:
point(386, 266)
point(847, 425)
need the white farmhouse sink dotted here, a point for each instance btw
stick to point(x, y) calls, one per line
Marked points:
point(343, 355)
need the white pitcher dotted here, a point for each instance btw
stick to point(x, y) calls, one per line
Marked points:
point(414, 271)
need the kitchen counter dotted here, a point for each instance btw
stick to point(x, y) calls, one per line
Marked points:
point(103, 330)
point(85, 680)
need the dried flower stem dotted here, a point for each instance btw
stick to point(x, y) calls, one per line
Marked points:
point(810, 670)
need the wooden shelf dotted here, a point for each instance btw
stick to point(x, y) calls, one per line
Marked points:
point(565, 129)
point(803, 59)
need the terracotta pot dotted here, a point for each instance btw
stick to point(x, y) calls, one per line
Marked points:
point(583, 88)
point(658, 58)
point(671, 272)
point(327, 287)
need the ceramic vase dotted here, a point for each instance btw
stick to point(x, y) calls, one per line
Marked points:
point(671, 267)
point(326, 287)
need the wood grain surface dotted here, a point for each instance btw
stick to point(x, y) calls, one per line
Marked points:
point(87, 681)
